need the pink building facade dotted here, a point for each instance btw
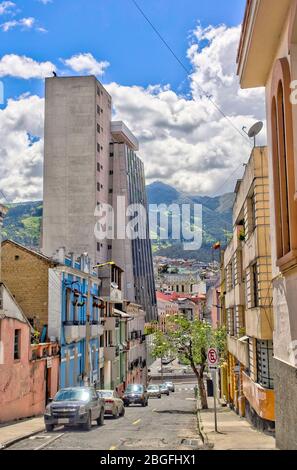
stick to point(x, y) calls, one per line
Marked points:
point(29, 374)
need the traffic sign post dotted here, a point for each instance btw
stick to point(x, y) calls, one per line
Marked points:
point(213, 362)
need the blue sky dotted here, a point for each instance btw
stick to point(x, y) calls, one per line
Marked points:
point(184, 141)
point(113, 30)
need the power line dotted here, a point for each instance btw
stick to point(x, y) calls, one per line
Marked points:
point(186, 69)
point(3, 195)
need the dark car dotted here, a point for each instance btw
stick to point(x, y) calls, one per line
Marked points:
point(135, 394)
point(75, 406)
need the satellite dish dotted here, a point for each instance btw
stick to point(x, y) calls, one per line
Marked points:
point(255, 130)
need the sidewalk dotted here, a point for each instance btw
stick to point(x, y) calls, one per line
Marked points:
point(17, 431)
point(235, 433)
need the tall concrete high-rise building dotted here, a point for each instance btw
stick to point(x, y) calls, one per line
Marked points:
point(76, 164)
point(90, 160)
point(133, 255)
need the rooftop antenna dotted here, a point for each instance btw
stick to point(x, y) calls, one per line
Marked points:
point(254, 131)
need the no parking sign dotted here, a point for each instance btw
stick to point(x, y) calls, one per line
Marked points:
point(213, 358)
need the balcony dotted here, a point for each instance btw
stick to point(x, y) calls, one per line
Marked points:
point(72, 333)
point(239, 349)
point(259, 323)
point(235, 296)
point(96, 330)
point(261, 399)
point(101, 357)
point(111, 353)
point(111, 323)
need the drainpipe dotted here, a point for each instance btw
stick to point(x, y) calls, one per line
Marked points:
point(88, 334)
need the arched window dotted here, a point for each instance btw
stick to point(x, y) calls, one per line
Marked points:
point(283, 166)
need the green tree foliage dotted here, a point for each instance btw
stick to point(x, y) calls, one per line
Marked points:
point(190, 341)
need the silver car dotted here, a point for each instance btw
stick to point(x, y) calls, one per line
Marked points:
point(171, 386)
point(114, 405)
point(154, 391)
point(164, 389)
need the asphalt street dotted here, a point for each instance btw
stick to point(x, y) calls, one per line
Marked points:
point(166, 424)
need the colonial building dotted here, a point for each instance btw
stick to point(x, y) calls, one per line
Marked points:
point(267, 57)
point(61, 298)
point(28, 372)
point(248, 297)
point(166, 308)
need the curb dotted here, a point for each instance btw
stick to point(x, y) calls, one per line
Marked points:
point(203, 436)
point(5, 445)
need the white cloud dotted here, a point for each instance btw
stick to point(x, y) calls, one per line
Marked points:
point(6, 7)
point(24, 23)
point(185, 141)
point(24, 67)
point(86, 63)
point(199, 149)
point(21, 156)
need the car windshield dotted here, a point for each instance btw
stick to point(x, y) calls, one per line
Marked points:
point(163, 386)
point(134, 388)
point(105, 393)
point(153, 387)
point(72, 394)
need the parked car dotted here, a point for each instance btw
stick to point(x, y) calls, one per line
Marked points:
point(114, 405)
point(154, 391)
point(171, 386)
point(164, 389)
point(75, 406)
point(135, 394)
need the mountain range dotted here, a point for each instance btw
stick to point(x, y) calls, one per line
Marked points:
point(23, 221)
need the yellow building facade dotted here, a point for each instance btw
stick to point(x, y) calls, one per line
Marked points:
point(247, 298)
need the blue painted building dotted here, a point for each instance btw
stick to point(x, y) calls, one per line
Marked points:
point(75, 320)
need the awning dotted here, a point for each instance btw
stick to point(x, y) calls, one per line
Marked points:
point(121, 314)
point(244, 339)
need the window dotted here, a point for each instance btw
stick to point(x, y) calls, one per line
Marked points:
point(252, 215)
point(254, 286)
point(109, 247)
point(68, 305)
point(111, 172)
point(98, 128)
point(98, 109)
point(283, 165)
point(98, 246)
point(98, 186)
point(110, 191)
point(17, 345)
point(98, 147)
point(111, 154)
point(16, 257)
point(265, 363)
point(98, 167)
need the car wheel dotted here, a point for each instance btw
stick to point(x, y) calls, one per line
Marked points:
point(143, 404)
point(160, 396)
point(116, 414)
point(100, 420)
point(88, 425)
point(126, 405)
point(49, 427)
point(123, 412)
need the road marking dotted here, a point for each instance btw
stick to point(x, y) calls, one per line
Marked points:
point(49, 442)
point(113, 448)
point(136, 422)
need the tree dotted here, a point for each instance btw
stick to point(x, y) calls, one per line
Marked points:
point(189, 341)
